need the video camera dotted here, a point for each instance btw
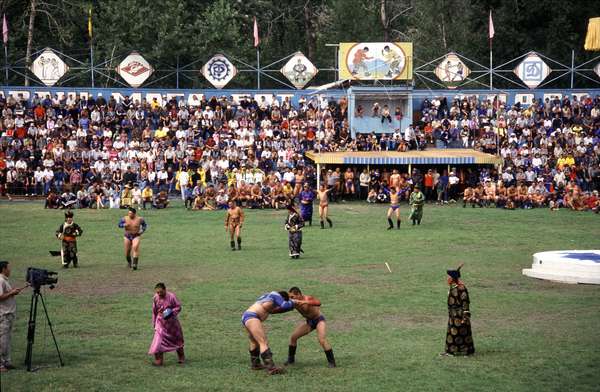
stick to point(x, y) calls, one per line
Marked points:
point(38, 277)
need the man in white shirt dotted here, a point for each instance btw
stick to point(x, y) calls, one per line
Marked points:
point(48, 177)
point(453, 181)
point(38, 177)
point(184, 179)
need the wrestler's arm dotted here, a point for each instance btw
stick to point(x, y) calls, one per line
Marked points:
point(241, 217)
point(79, 230)
point(59, 232)
point(227, 219)
point(308, 300)
point(283, 307)
point(143, 225)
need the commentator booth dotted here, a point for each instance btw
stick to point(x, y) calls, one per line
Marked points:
point(367, 97)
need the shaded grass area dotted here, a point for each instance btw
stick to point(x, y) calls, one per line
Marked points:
point(386, 329)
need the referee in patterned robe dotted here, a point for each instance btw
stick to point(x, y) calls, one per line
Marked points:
point(68, 233)
point(294, 225)
point(459, 339)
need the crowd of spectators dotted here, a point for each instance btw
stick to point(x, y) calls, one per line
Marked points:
point(102, 153)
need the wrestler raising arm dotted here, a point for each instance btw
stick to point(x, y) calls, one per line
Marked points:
point(310, 308)
point(134, 226)
point(252, 320)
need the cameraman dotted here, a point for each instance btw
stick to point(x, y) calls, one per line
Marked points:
point(8, 310)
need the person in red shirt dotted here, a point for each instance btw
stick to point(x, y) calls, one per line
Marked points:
point(428, 183)
point(310, 308)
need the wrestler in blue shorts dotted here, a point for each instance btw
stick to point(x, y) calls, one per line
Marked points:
point(252, 320)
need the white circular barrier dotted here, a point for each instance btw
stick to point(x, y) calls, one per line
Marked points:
point(566, 266)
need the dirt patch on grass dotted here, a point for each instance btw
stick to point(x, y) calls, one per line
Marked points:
point(343, 326)
point(413, 321)
point(121, 280)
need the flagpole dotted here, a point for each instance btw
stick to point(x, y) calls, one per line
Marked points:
point(91, 37)
point(92, 60)
point(491, 36)
point(491, 69)
point(6, 64)
point(258, 68)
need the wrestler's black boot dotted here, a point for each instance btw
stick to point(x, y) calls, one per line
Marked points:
point(267, 358)
point(322, 225)
point(330, 222)
point(128, 261)
point(310, 222)
point(255, 359)
point(418, 222)
point(291, 355)
point(398, 223)
point(232, 243)
point(135, 263)
point(330, 358)
point(391, 224)
point(75, 262)
point(239, 242)
point(414, 222)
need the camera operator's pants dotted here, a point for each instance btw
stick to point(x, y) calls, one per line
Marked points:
point(6, 324)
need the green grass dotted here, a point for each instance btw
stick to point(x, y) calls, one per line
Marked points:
point(386, 329)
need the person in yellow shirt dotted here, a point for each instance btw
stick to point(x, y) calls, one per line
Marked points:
point(127, 197)
point(565, 160)
point(288, 191)
point(230, 177)
point(147, 196)
point(202, 174)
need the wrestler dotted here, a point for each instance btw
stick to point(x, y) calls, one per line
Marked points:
point(323, 195)
point(68, 233)
point(298, 181)
point(501, 195)
point(349, 182)
point(310, 308)
point(134, 226)
point(511, 196)
point(489, 192)
point(234, 219)
point(256, 200)
point(306, 203)
point(394, 207)
point(395, 180)
point(467, 196)
point(252, 320)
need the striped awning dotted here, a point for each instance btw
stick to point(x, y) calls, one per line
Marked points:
point(427, 157)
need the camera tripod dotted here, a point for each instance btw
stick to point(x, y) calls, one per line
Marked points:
point(35, 296)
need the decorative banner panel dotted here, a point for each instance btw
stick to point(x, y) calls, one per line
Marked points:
point(532, 70)
point(135, 69)
point(597, 69)
point(48, 67)
point(375, 60)
point(219, 71)
point(299, 70)
point(452, 71)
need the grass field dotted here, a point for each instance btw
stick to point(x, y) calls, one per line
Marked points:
point(386, 329)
